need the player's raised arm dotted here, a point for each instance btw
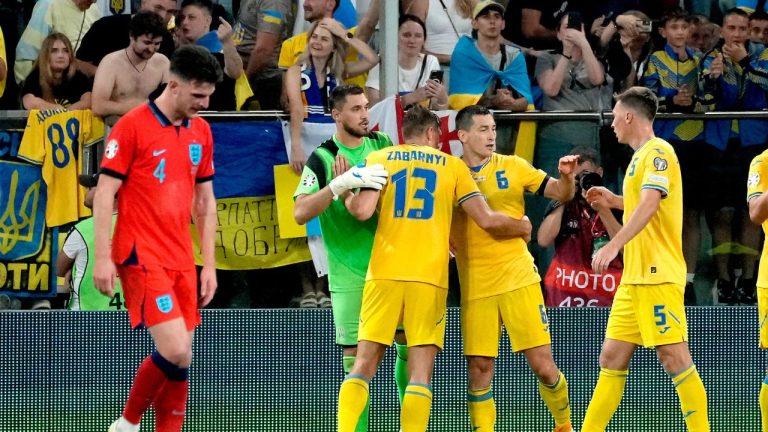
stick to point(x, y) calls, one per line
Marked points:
point(104, 272)
point(495, 222)
point(563, 188)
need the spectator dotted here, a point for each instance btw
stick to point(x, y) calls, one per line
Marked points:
point(261, 28)
point(292, 49)
point(734, 79)
point(54, 81)
point(125, 78)
point(673, 75)
point(624, 45)
point(702, 34)
point(73, 18)
point(445, 20)
point(578, 230)
point(309, 82)
point(3, 64)
point(534, 24)
point(571, 80)
point(414, 71)
point(194, 25)
point(112, 33)
point(492, 73)
point(76, 258)
point(758, 27)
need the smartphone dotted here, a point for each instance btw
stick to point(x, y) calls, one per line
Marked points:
point(607, 20)
point(575, 21)
point(646, 26)
point(436, 75)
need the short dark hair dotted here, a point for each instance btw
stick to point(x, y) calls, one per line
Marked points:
point(203, 4)
point(465, 117)
point(340, 93)
point(759, 15)
point(735, 11)
point(640, 100)
point(408, 17)
point(195, 63)
point(146, 23)
point(676, 14)
point(417, 120)
point(586, 154)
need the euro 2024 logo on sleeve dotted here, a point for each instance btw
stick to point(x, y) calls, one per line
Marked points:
point(22, 211)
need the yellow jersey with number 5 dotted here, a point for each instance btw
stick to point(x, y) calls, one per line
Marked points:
point(415, 212)
point(490, 265)
point(757, 184)
point(655, 254)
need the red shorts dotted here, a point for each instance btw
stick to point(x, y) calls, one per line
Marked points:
point(154, 295)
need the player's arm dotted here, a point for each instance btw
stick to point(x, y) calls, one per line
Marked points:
point(363, 204)
point(309, 206)
point(63, 263)
point(563, 188)
point(650, 200)
point(550, 227)
point(494, 222)
point(758, 209)
point(599, 193)
point(204, 215)
point(104, 271)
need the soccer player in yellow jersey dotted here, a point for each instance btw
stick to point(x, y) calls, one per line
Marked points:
point(757, 185)
point(407, 279)
point(499, 281)
point(648, 307)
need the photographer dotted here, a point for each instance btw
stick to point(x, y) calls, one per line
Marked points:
point(578, 231)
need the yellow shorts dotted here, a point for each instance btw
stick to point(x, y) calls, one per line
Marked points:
point(522, 312)
point(762, 310)
point(648, 315)
point(419, 306)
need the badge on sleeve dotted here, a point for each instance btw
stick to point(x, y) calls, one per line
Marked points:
point(660, 164)
point(754, 179)
point(111, 151)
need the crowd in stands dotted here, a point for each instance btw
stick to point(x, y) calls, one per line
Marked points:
point(696, 55)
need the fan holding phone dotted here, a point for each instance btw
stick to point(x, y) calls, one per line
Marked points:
point(420, 79)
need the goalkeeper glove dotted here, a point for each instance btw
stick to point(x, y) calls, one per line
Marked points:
point(371, 177)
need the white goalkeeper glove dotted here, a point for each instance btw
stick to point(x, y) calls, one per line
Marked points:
point(371, 177)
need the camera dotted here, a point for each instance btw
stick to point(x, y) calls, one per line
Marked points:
point(586, 180)
point(575, 21)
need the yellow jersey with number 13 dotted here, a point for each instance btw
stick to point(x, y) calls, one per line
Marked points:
point(415, 212)
point(757, 184)
point(655, 255)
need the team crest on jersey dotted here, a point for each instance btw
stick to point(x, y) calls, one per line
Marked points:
point(164, 303)
point(754, 179)
point(111, 150)
point(309, 181)
point(660, 164)
point(195, 153)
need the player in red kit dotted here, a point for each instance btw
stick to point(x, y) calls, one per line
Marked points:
point(159, 161)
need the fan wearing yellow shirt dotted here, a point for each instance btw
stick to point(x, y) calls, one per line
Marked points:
point(648, 308)
point(407, 279)
point(757, 185)
point(499, 281)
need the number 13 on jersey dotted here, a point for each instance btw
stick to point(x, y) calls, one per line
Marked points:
point(422, 195)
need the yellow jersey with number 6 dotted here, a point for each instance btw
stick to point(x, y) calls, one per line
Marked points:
point(655, 254)
point(490, 265)
point(415, 212)
point(757, 184)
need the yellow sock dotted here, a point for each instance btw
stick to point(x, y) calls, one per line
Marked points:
point(482, 409)
point(693, 399)
point(605, 400)
point(417, 401)
point(362, 424)
point(555, 396)
point(353, 397)
point(764, 404)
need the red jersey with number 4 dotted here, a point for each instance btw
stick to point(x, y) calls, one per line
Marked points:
point(159, 164)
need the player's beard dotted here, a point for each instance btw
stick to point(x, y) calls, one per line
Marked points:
point(358, 132)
